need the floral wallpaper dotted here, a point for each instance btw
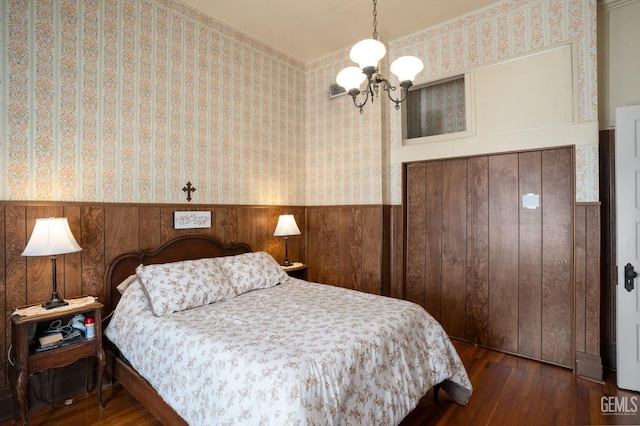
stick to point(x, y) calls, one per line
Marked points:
point(344, 152)
point(126, 101)
point(503, 30)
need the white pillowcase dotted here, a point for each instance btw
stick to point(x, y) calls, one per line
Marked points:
point(252, 271)
point(177, 286)
point(122, 287)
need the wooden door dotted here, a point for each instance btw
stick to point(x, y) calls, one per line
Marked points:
point(492, 270)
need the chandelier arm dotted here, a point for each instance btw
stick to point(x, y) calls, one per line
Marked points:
point(405, 85)
point(354, 94)
point(366, 98)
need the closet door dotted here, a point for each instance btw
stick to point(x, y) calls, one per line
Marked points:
point(436, 274)
point(490, 269)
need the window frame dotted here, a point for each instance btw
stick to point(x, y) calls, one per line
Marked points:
point(469, 112)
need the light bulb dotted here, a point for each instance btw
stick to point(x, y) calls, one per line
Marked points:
point(350, 78)
point(406, 68)
point(367, 53)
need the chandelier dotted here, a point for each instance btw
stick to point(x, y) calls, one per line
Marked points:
point(366, 54)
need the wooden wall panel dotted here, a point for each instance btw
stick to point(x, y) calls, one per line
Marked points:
point(587, 277)
point(264, 231)
point(312, 243)
point(231, 230)
point(478, 292)
point(150, 231)
point(371, 249)
point(4, 315)
point(454, 247)
point(328, 246)
point(356, 251)
point(504, 200)
point(557, 256)
point(121, 229)
point(298, 243)
point(344, 246)
point(433, 239)
point(350, 248)
point(72, 262)
point(247, 226)
point(530, 259)
point(416, 243)
point(93, 250)
point(397, 253)
point(16, 266)
point(592, 283)
point(580, 278)
point(387, 247)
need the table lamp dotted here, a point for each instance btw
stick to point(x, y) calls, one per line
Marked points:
point(286, 227)
point(51, 237)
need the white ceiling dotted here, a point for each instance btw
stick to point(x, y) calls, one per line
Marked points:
point(307, 30)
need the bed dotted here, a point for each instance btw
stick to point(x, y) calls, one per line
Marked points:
point(204, 333)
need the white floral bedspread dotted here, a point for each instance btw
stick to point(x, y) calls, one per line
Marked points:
point(295, 354)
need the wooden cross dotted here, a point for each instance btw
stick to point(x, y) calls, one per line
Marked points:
point(189, 189)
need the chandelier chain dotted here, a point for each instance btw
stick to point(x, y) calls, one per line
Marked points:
point(375, 20)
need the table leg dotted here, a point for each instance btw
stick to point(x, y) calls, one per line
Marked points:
point(21, 395)
point(101, 367)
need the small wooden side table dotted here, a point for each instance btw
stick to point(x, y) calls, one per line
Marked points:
point(298, 271)
point(24, 361)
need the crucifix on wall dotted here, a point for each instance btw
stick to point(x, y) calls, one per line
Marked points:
point(189, 189)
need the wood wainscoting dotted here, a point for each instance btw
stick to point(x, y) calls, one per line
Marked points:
point(587, 291)
point(106, 230)
point(358, 247)
point(345, 246)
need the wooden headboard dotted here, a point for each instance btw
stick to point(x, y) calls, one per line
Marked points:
point(184, 247)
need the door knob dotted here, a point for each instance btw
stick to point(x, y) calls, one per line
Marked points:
point(629, 276)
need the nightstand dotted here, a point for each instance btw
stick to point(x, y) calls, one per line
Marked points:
point(297, 271)
point(25, 360)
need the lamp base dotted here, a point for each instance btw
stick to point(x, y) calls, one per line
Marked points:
point(54, 303)
point(286, 263)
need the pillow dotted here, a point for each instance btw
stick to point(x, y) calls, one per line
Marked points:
point(177, 286)
point(122, 287)
point(251, 271)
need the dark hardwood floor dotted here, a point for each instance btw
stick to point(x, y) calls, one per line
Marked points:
point(508, 390)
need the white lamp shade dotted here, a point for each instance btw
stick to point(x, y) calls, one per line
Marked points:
point(367, 53)
point(286, 226)
point(51, 236)
point(406, 68)
point(350, 78)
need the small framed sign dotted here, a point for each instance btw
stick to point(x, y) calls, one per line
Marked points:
point(189, 220)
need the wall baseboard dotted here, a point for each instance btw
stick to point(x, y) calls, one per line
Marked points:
point(589, 367)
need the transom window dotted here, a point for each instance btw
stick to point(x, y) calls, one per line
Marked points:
point(437, 109)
